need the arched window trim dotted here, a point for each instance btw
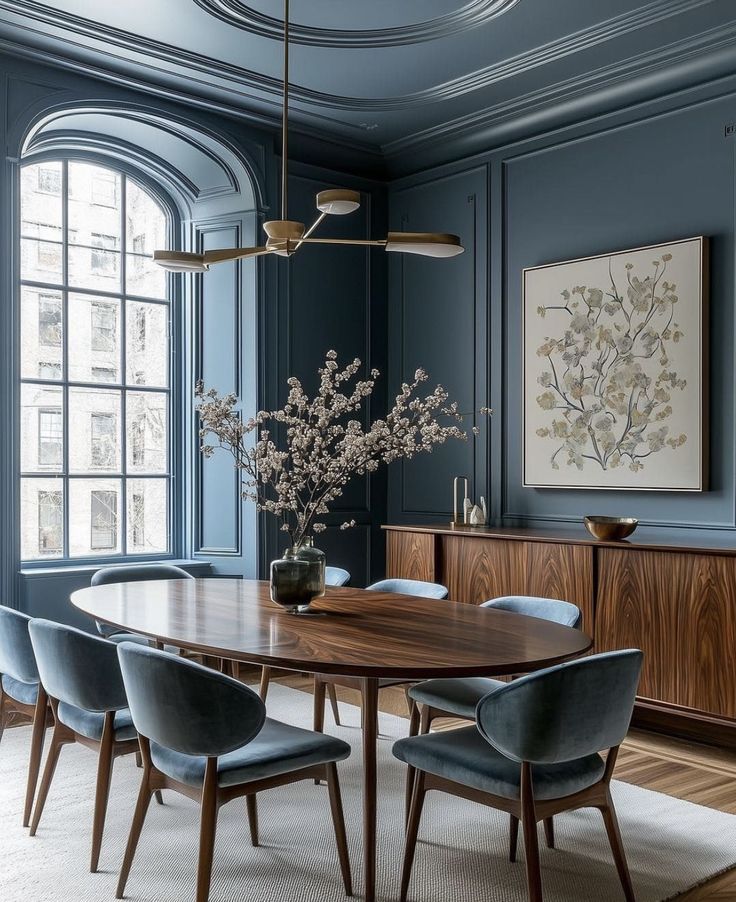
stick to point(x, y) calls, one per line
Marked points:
point(174, 216)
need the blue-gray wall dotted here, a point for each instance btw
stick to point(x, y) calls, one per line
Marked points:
point(658, 172)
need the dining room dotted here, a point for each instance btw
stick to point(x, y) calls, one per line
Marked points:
point(368, 478)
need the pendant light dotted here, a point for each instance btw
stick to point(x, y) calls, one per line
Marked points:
point(285, 237)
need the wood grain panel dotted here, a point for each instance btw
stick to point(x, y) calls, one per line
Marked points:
point(410, 555)
point(475, 570)
point(708, 635)
point(638, 606)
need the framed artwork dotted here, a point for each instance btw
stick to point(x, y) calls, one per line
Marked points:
point(615, 370)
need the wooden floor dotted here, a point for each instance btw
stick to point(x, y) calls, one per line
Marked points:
point(688, 771)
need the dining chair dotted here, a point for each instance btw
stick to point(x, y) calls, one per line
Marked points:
point(131, 573)
point(206, 736)
point(459, 697)
point(21, 692)
point(534, 752)
point(335, 577)
point(327, 683)
point(81, 676)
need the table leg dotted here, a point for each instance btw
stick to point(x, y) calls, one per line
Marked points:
point(370, 738)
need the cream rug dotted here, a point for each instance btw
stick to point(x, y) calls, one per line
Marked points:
point(671, 845)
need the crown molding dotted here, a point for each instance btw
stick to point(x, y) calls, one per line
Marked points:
point(244, 82)
point(469, 15)
point(619, 83)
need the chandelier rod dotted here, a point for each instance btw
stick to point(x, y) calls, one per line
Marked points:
point(285, 122)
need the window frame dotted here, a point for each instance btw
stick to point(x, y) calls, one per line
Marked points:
point(175, 392)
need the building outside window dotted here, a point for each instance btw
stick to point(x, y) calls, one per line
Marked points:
point(50, 523)
point(95, 350)
point(50, 437)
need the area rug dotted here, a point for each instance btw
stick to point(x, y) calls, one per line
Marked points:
point(461, 857)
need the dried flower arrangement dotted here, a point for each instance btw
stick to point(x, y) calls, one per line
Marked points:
point(325, 444)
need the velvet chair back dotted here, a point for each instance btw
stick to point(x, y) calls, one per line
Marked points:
point(133, 573)
point(78, 668)
point(410, 587)
point(565, 712)
point(185, 707)
point(16, 652)
point(551, 609)
point(336, 576)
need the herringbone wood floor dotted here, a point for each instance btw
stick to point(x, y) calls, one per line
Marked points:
point(699, 774)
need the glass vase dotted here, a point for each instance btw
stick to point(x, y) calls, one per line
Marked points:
point(298, 577)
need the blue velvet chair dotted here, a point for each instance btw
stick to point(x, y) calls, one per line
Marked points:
point(324, 682)
point(22, 692)
point(81, 676)
point(335, 577)
point(534, 752)
point(459, 697)
point(132, 573)
point(206, 736)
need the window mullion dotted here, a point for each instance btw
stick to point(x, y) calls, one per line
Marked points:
point(123, 513)
point(65, 352)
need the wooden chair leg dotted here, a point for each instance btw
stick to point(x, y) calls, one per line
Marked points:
point(619, 856)
point(207, 829)
point(319, 705)
point(531, 840)
point(141, 809)
point(425, 722)
point(2, 712)
point(338, 820)
point(332, 693)
point(411, 776)
point(102, 791)
point(34, 763)
point(412, 831)
point(252, 805)
point(414, 718)
point(549, 832)
point(159, 798)
point(265, 682)
point(513, 837)
point(57, 741)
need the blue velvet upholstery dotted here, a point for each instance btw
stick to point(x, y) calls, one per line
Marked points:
point(336, 576)
point(551, 609)
point(410, 587)
point(454, 696)
point(460, 697)
point(91, 723)
point(16, 652)
point(77, 668)
point(565, 712)
point(465, 757)
point(189, 713)
point(277, 749)
point(25, 693)
point(132, 573)
point(186, 707)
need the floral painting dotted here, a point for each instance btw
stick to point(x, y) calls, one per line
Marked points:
point(613, 370)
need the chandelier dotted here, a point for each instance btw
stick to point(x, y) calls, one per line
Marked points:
point(285, 237)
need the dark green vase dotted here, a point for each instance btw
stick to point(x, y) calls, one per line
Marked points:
point(298, 577)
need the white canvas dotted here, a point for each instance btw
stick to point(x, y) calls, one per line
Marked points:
point(613, 370)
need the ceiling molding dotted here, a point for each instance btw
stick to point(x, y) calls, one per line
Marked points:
point(623, 78)
point(469, 15)
point(270, 89)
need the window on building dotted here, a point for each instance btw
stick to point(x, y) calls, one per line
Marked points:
point(95, 350)
point(103, 441)
point(49, 320)
point(50, 523)
point(50, 437)
point(104, 521)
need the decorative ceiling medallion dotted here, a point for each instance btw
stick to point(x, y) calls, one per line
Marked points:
point(468, 15)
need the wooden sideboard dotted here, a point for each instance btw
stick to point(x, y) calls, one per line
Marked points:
point(675, 601)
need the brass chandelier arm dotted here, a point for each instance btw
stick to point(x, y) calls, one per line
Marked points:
point(234, 253)
point(311, 229)
point(358, 242)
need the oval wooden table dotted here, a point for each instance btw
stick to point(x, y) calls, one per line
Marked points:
point(353, 632)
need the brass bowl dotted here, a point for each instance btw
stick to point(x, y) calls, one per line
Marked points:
point(610, 529)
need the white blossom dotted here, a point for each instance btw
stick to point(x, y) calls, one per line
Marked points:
point(296, 461)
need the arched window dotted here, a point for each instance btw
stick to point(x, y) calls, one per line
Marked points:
point(95, 365)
